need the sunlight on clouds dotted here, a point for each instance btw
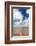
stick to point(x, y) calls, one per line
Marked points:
point(17, 15)
point(28, 11)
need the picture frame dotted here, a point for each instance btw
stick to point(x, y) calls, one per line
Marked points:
point(19, 17)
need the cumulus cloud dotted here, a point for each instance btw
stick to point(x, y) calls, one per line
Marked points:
point(17, 15)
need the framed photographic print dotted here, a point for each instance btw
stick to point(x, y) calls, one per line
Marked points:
point(19, 22)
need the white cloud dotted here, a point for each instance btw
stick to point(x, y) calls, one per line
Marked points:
point(28, 12)
point(17, 15)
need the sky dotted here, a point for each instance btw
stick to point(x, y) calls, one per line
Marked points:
point(23, 12)
point(21, 15)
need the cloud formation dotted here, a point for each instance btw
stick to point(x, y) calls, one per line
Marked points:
point(18, 16)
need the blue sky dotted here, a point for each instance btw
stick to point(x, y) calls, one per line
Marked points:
point(23, 12)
